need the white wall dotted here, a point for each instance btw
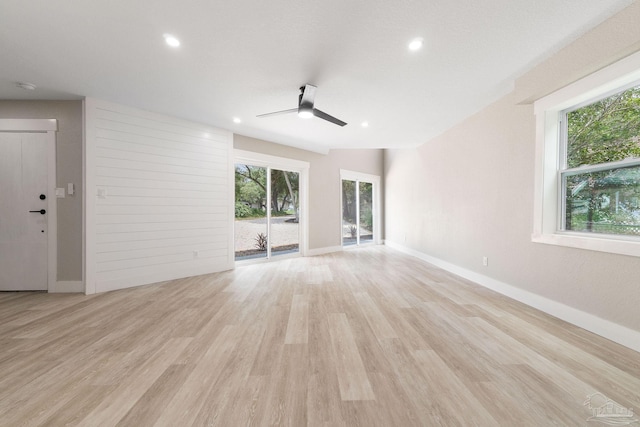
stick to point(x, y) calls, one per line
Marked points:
point(469, 194)
point(159, 197)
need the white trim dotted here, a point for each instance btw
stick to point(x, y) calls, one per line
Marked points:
point(67, 286)
point(52, 210)
point(597, 243)
point(268, 211)
point(352, 175)
point(617, 333)
point(88, 195)
point(616, 75)
point(280, 163)
point(601, 167)
point(548, 110)
point(325, 250)
point(50, 127)
point(304, 205)
point(84, 198)
point(28, 125)
point(264, 160)
point(231, 241)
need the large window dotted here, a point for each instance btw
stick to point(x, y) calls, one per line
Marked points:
point(588, 162)
point(601, 165)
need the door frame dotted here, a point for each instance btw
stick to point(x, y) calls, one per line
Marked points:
point(377, 212)
point(48, 127)
point(280, 163)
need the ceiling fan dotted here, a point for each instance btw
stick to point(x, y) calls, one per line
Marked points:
point(305, 107)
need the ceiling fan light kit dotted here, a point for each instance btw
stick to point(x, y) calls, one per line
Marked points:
point(305, 112)
point(306, 107)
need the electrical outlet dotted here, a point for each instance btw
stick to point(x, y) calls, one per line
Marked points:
point(485, 261)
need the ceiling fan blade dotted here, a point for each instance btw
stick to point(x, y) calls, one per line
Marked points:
point(327, 117)
point(276, 113)
point(308, 95)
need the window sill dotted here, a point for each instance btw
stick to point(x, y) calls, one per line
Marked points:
point(591, 243)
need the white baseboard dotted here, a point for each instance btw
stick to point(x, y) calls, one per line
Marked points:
point(617, 333)
point(67, 286)
point(322, 251)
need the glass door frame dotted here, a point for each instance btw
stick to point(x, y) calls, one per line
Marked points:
point(279, 163)
point(374, 180)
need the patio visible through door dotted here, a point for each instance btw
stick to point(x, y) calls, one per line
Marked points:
point(359, 198)
point(268, 214)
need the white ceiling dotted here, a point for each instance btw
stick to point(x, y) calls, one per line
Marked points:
point(247, 57)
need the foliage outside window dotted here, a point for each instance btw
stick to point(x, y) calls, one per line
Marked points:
point(251, 192)
point(601, 174)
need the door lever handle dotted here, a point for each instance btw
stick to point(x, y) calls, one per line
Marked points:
point(41, 211)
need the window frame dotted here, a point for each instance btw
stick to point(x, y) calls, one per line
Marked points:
point(551, 122)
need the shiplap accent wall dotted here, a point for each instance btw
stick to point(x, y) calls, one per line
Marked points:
point(159, 197)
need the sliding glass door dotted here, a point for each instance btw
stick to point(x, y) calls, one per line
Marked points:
point(365, 212)
point(250, 227)
point(359, 200)
point(349, 213)
point(285, 210)
point(267, 211)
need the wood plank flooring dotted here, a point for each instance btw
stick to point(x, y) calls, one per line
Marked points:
point(367, 337)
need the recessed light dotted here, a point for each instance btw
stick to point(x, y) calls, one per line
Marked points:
point(416, 44)
point(171, 40)
point(365, 124)
point(236, 120)
point(26, 86)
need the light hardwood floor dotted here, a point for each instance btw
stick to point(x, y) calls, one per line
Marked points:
point(367, 337)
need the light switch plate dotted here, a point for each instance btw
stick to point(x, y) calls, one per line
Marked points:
point(60, 193)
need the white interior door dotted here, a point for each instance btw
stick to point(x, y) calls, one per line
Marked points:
point(23, 211)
